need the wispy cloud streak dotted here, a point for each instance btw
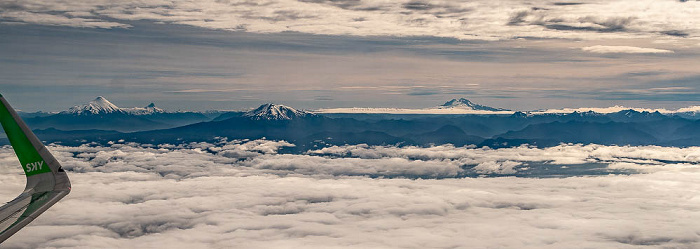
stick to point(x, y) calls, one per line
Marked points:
point(600, 49)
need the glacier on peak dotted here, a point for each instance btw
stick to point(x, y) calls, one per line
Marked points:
point(467, 104)
point(272, 111)
point(99, 105)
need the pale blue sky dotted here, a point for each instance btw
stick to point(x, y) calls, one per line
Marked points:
point(313, 54)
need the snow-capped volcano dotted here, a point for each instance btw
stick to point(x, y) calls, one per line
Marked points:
point(271, 111)
point(463, 103)
point(98, 106)
point(101, 105)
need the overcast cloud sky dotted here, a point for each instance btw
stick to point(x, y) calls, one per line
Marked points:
point(198, 55)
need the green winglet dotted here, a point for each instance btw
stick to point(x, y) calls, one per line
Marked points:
point(47, 182)
point(29, 157)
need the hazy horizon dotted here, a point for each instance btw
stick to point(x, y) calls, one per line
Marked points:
point(327, 54)
point(399, 110)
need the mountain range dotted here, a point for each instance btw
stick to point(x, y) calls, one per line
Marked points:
point(101, 114)
point(101, 121)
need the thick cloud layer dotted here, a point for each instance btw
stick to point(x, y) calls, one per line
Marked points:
point(483, 20)
point(245, 194)
point(505, 159)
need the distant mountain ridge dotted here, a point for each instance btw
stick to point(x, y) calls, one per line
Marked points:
point(101, 114)
point(467, 104)
point(307, 130)
point(101, 105)
point(149, 109)
point(102, 121)
point(463, 106)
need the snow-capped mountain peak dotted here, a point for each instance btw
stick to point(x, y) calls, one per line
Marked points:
point(463, 103)
point(271, 111)
point(99, 105)
point(153, 108)
point(150, 109)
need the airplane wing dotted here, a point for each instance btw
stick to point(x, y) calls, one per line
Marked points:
point(47, 182)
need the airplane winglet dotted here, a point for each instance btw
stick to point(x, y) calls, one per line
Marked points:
point(47, 182)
